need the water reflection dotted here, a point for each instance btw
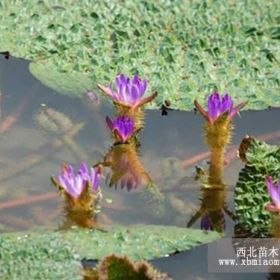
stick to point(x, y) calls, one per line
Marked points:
point(29, 155)
point(63, 127)
point(212, 210)
point(214, 193)
point(126, 169)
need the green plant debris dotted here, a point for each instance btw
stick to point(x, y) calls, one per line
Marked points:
point(56, 255)
point(185, 48)
point(251, 194)
point(120, 268)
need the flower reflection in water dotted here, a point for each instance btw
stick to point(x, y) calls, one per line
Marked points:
point(123, 128)
point(126, 169)
point(212, 210)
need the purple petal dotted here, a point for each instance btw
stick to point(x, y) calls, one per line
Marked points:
point(69, 170)
point(83, 170)
point(273, 191)
point(94, 179)
point(214, 104)
point(110, 123)
point(272, 208)
point(69, 187)
point(79, 185)
point(143, 88)
point(134, 96)
point(227, 104)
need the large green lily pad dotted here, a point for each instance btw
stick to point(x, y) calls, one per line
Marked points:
point(251, 193)
point(185, 48)
point(71, 84)
point(57, 255)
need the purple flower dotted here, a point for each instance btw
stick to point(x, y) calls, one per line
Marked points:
point(129, 92)
point(74, 184)
point(219, 105)
point(274, 192)
point(122, 126)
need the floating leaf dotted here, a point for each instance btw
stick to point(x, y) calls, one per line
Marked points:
point(199, 46)
point(56, 255)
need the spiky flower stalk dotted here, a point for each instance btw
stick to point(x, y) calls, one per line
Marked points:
point(218, 131)
point(128, 98)
point(81, 192)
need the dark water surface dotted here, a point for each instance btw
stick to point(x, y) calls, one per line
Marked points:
point(30, 155)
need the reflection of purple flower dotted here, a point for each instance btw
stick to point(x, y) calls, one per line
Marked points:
point(213, 220)
point(123, 127)
point(129, 91)
point(74, 184)
point(274, 192)
point(206, 223)
point(218, 105)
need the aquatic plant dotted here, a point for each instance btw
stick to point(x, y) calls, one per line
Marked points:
point(218, 106)
point(129, 91)
point(118, 268)
point(128, 97)
point(122, 128)
point(81, 192)
point(218, 130)
point(251, 191)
